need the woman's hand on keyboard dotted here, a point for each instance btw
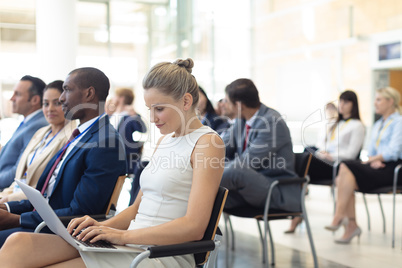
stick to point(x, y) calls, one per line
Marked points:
point(96, 233)
point(76, 225)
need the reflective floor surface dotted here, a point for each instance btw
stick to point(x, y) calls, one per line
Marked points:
point(293, 250)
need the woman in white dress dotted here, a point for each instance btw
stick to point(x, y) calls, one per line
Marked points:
point(178, 187)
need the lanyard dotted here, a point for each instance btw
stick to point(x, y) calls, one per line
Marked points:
point(381, 131)
point(44, 147)
point(68, 144)
point(333, 132)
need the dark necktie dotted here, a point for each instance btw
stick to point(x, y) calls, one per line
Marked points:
point(246, 137)
point(75, 133)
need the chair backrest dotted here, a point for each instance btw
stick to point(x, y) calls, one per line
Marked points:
point(201, 258)
point(302, 163)
point(116, 193)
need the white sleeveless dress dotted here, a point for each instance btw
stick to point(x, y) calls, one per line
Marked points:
point(166, 184)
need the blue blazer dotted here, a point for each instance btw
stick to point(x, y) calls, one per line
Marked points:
point(11, 152)
point(86, 178)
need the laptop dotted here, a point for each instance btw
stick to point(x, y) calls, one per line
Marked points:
point(56, 226)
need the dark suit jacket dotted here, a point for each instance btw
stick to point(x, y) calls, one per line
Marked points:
point(126, 128)
point(12, 151)
point(269, 151)
point(86, 178)
point(216, 122)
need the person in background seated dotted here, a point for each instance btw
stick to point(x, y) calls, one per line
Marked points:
point(127, 124)
point(207, 114)
point(44, 144)
point(385, 153)
point(345, 138)
point(343, 141)
point(191, 185)
point(259, 150)
point(81, 177)
point(27, 101)
point(218, 108)
point(331, 114)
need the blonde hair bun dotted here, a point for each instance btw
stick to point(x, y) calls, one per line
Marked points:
point(187, 63)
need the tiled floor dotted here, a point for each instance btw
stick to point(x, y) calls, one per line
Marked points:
point(292, 250)
point(373, 251)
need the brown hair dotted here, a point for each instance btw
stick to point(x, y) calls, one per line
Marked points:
point(127, 94)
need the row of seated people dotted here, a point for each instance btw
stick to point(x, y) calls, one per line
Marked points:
point(258, 151)
point(26, 154)
point(248, 179)
point(384, 150)
point(25, 157)
point(79, 176)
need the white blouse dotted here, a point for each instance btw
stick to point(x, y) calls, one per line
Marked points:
point(345, 141)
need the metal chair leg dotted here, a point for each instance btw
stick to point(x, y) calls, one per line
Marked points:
point(382, 213)
point(265, 244)
point(367, 210)
point(271, 242)
point(393, 219)
point(396, 174)
point(309, 233)
point(212, 261)
point(334, 170)
point(232, 234)
point(264, 250)
point(226, 220)
point(333, 196)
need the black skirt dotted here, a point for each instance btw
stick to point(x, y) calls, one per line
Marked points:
point(368, 178)
point(319, 171)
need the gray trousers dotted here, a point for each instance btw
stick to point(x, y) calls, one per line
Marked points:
point(246, 187)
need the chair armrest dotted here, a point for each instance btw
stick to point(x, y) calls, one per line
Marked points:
point(174, 250)
point(396, 175)
point(285, 181)
point(291, 181)
point(181, 249)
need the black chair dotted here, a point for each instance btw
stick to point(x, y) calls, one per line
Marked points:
point(205, 250)
point(135, 184)
point(394, 189)
point(267, 214)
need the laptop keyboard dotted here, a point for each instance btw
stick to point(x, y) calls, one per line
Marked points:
point(97, 244)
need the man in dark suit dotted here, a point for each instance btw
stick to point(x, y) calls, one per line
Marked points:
point(27, 101)
point(259, 150)
point(80, 179)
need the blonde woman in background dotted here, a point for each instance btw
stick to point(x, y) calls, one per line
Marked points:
point(45, 143)
point(385, 153)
